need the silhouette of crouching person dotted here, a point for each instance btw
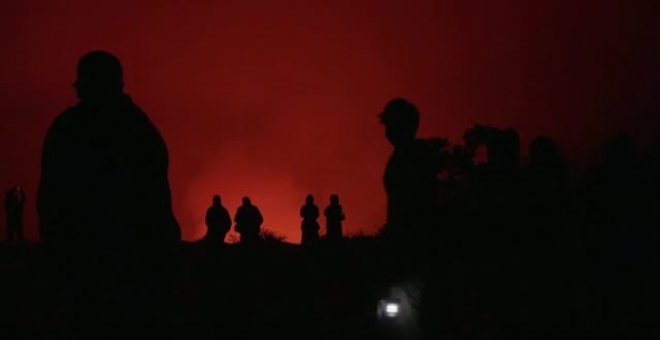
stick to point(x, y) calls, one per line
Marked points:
point(248, 221)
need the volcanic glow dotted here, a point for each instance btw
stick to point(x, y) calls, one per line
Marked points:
point(274, 102)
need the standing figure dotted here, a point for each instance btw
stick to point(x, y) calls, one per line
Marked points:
point(248, 222)
point(218, 222)
point(310, 226)
point(411, 184)
point(104, 167)
point(334, 215)
point(14, 202)
point(410, 177)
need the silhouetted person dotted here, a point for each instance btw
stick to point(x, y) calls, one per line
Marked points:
point(650, 234)
point(334, 216)
point(611, 194)
point(411, 184)
point(410, 178)
point(14, 202)
point(551, 246)
point(547, 191)
point(545, 163)
point(248, 221)
point(616, 236)
point(497, 230)
point(650, 166)
point(104, 168)
point(218, 222)
point(504, 150)
point(310, 226)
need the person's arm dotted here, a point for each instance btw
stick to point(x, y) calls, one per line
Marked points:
point(260, 218)
point(226, 220)
point(207, 218)
point(237, 221)
point(237, 216)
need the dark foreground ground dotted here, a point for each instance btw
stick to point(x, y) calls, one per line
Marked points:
point(278, 291)
point(282, 291)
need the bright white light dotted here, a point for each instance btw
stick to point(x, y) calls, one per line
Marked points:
point(392, 309)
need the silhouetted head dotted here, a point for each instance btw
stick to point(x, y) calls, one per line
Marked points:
point(477, 136)
point(100, 76)
point(543, 152)
point(334, 199)
point(217, 200)
point(504, 149)
point(401, 120)
point(246, 201)
point(620, 151)
point(309, 199)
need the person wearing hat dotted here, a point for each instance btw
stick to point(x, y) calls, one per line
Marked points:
point(410, 177)
point(415, 253)
point(104, 168)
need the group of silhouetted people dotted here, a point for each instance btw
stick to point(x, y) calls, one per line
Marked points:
point(517, 237)
point(504, 230)
point(104, 176)
point(334, 216)
point(248, 221)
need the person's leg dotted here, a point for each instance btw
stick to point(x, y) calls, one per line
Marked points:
point(10, 232)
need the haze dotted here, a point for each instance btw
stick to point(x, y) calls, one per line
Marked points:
point(275, 100)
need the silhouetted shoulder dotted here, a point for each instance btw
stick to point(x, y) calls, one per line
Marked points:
point(61, 129)
point(66, 116)
point(63, 121)
point(150, 133)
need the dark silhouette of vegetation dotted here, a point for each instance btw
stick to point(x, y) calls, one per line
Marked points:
point(271, 237)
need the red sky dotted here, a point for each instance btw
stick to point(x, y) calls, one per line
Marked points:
point(276, 100)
